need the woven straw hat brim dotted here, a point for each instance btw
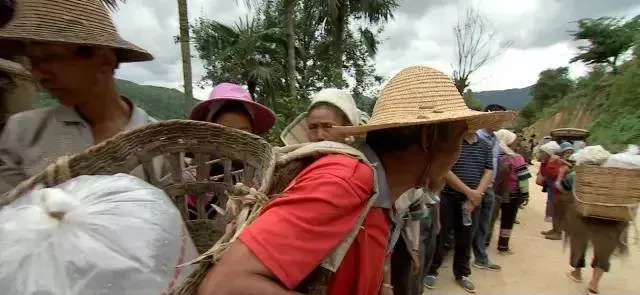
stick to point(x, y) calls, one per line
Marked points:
point(475, 120)
point(420, 95)
point(78, 22)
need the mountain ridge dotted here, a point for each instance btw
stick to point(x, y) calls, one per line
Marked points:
point(167, 103)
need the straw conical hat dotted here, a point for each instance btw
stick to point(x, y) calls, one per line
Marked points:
point(82, 22)
point(420, 95)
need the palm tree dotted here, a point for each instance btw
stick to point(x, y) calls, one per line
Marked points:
point(185, 50)
point(340, 11)
point(184, 47)
point(245, 53)
point(112, 4)
point(291, 44)
point(289, 6)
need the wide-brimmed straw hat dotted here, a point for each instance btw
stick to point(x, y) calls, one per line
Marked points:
point(79, 22)
point(297, 131)
point(420, 95)
point(262, 117)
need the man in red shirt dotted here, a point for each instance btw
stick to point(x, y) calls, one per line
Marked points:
point(299, 228)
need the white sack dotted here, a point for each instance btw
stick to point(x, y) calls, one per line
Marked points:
point(594, 155)
point(630, 159)
point(113, 235)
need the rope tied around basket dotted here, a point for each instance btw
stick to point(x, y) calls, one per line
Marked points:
point(243, 207)
point(58, 170)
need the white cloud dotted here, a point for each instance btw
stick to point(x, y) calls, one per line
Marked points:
point(421, 33)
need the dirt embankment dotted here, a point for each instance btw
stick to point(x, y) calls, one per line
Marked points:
point(574, 117)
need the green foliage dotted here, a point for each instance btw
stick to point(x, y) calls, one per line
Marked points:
point(552, 85)
point(247, 53)
point(471, 101)
point(610, 100)
point(159, 102)
point(254, 52)
point(609, 38)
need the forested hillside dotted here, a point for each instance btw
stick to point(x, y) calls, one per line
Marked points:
point(607, 100)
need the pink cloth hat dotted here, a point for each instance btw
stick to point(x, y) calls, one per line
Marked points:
point(262, 117)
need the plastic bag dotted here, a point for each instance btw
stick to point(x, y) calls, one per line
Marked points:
point(630, 159)
point(595, 154)
point(93, 235)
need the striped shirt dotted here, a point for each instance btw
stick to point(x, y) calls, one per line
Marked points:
point(491, 139)
point(476, 156)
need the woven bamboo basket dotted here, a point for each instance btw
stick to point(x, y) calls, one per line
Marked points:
point(207, 143)
point(608, 193)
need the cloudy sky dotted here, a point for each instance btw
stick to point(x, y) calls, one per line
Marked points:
point(421, 33)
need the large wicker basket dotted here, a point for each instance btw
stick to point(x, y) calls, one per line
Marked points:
point(206, 143)
point(608, 193)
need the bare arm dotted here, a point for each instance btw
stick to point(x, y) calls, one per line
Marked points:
point(250, 276)
point(562, 172)
point(485, 181)
point(386, 274)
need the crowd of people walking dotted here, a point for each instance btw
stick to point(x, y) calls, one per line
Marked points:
point(443, 174)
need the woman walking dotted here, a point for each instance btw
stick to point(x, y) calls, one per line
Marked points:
point(605, 236)
point(511, 186)
point(550, 169)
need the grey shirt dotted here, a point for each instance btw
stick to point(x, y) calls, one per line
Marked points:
point(34, 139)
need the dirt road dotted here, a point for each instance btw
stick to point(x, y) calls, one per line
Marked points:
point(539, 265)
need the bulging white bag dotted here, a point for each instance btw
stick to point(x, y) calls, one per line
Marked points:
point(93, 235)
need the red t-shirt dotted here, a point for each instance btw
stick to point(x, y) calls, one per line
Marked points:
point(296, 231)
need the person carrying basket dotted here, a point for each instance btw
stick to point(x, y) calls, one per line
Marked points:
point(415, 132)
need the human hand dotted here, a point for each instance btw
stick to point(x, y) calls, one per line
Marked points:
point(475, 196)
point(558, 185)
point(468, 206)
point(524, 203)
point(386, 289)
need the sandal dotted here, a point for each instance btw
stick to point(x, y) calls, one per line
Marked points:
point(591, 292)
point(573, 278)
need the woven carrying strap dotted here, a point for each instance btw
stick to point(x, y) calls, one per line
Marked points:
point(317, 282)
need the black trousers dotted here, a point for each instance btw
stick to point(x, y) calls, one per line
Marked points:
point(508, 214)
point(451, 219)
point(401, 277)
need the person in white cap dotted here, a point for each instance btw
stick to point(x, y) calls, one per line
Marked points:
point(329, 107)
point(550, 169)
point(73, 50)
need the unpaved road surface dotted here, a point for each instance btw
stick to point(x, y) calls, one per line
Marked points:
point(539, 265)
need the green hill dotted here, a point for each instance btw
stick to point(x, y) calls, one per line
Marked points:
point(605, 103)
point(160, 102)
point(513, 99)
